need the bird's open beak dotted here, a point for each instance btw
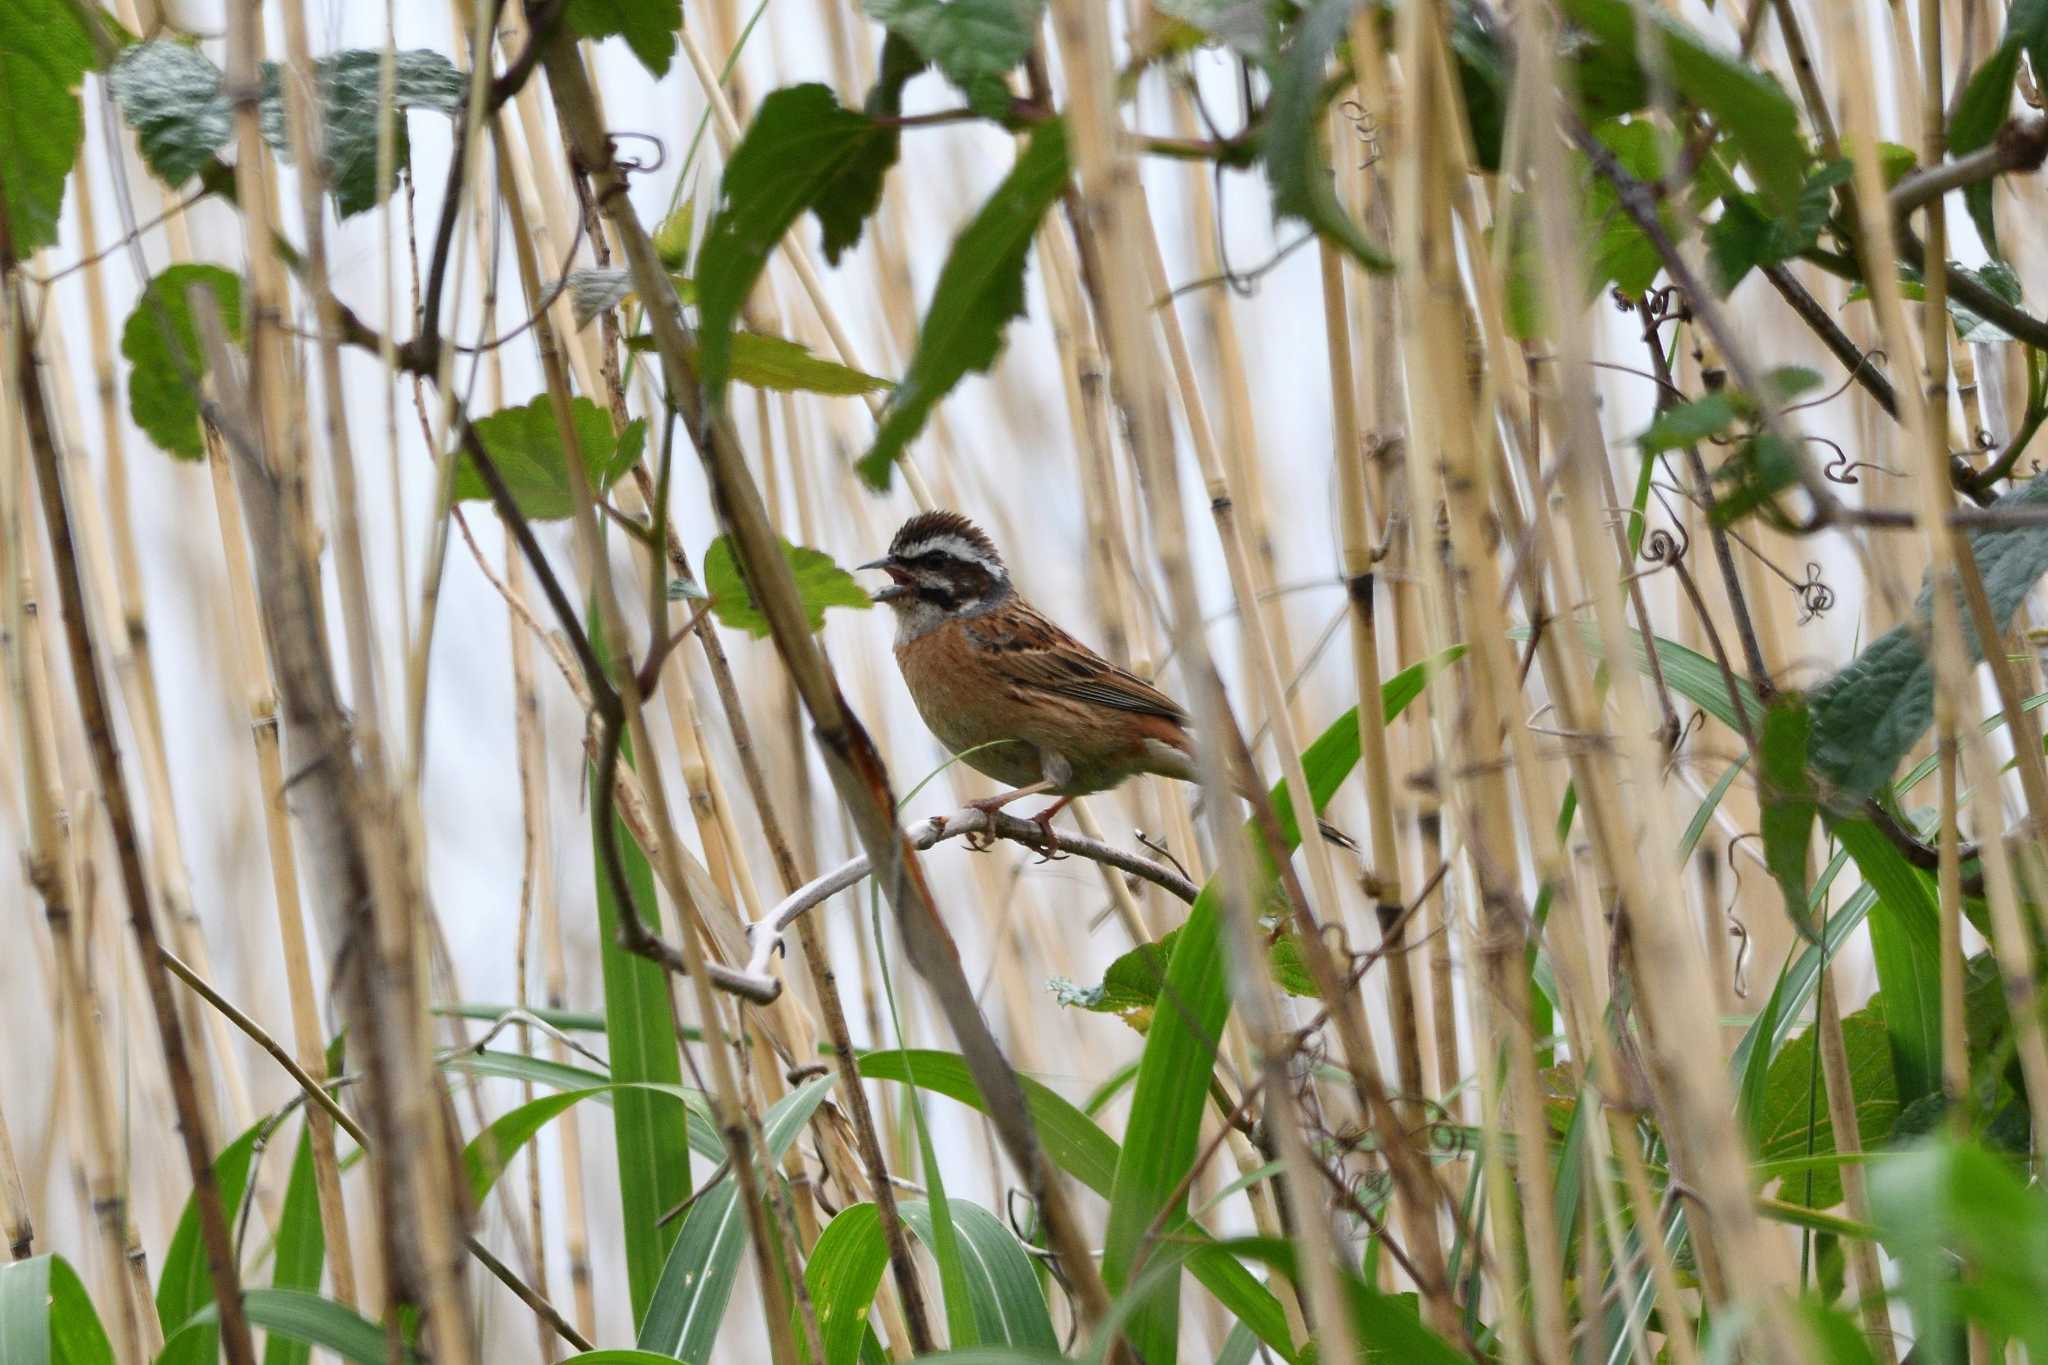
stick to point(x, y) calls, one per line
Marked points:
point(899, 581)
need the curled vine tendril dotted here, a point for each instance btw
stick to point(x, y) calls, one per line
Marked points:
point(1367, 129)
point(1815, 597)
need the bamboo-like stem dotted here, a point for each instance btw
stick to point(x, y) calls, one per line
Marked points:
point(16, 1220)
point(49, 875)
point(1843, 1118)
point(856, 770)
point(1117, 239)
point(94, 715)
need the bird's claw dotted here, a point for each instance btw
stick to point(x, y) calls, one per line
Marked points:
point(1049, 847)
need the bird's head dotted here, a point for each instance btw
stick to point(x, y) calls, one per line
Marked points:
point(940, 564)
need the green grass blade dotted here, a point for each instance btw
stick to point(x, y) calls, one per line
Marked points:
point(47, 1318)
point(301, 1248)
point(1001, 1287)
point(185, 1284)
point(301, 1316)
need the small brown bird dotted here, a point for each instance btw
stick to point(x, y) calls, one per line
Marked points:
point(1008, 691)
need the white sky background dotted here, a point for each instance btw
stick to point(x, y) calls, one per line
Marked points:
point(1013, 462)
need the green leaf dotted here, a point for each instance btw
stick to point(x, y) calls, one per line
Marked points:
point(1296, 165)
point(1002, 1287)
point(819, 582)
point(302, 1317)
point(1905, 940)
point(1130, 985)
point(1761, 468)
point(648, 26)
point(47, 1318)
point(351, 87)
point(1622, 254)
point(651, 1138)
point(772, 362)
point(688, 1306)
point(980, 289)
point(1081, 1149)
point(1971, 1240)
point(855, 191)
point(1788, 803)
point(1749, 106)
point(1388, 1326)
point(161, 345)
point(672, 236)
point(1980, 113)
point(976, 43)
point(1688, 424)
point(526, 445)
point(301, 1248)
point(1795, 1090)
point(44, 55)
point(173, 97)
point(492, 1150)
point(593, 1085)
point(795, 151)
point(170, 95)
point(1868, 715)
point(185, 1284)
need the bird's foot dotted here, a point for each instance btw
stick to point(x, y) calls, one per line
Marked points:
point(1048, 845)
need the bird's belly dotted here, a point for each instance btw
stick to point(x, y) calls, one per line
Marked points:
point(971, 716)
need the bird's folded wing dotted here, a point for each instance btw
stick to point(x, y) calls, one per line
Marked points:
point(1035, 653)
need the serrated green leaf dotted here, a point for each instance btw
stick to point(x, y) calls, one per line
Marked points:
point(1869, 714)
point(44, 55)
point(1296, 166)
point(790, 160)
point(526, 446)
point(819, 582)
point(855, 191)
point(1749, 106)
point(172, 95)
point(161, 344)
point(169, 92)
point(980, 289)
point(47, 1318)
point(648, 26)
point(1688, 424)
point(976, 43)
point(1789, 807)
point(1794, 1091)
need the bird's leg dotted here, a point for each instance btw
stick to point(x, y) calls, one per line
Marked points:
point(1050, 852)
point(989, 805)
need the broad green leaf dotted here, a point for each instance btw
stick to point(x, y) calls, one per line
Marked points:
point(525, 443)
point(650, 1137)
point(845, 1270)
point(1081, 1149)
point(683, 1318)
point(792, 157)
point(1388, 1326)
point(1789, 808)
point(980, 289)
point(47, 1318)
point(855, 191)
point(169, 92)
point(302, 1317)
point(1762, 467)
point(1688, 424)
point(1751, 107)
point(1987, 100)
point(1002, 1288)
point(976, 43)
point(301, 1248)
point(172, 95)
point(1623, 255)
point(1869, 714)
point(1972, 1243)
point(1751, 1062)
point(1905, 940)
point(648, 26)
point(44, 55)
point(492, 1150)
point(819, 582)
point(1794, 1092)
point(1751, 233)
point(161, 344)
point(772, 362)
point(1296, 166)
point(185, 1284)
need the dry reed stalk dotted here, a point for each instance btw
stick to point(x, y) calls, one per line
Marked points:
point(737, 1124)
point(48, 861)
point(1116, 237)
point(1925, 424)
point(15, 1215)
point(1444, 462)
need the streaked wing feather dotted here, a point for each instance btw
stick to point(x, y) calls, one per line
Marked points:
point(1035, 653)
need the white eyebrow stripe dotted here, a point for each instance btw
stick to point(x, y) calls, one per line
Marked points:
point(957, 546)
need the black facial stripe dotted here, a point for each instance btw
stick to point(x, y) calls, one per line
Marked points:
point(939, 597)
